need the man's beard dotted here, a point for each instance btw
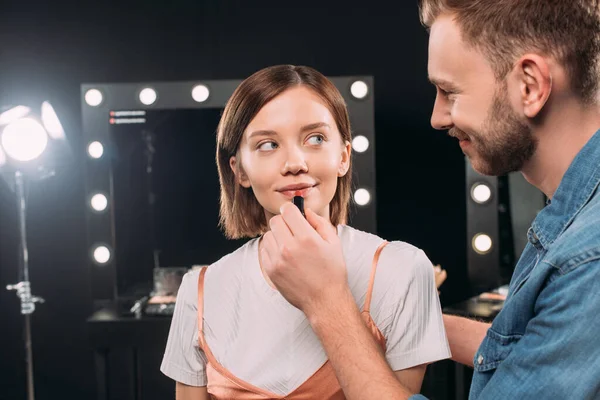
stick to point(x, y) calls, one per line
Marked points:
point(503, 144)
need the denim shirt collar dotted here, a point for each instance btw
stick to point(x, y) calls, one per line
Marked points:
point(574, 192)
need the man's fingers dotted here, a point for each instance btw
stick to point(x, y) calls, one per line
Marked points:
point(323, 227)
point(265, 260)
point(281, 232)
point(268, 252)
point(296, 222)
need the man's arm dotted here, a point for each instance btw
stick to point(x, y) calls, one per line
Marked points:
point(357, 359)
point(465, 337)
point(558, 356)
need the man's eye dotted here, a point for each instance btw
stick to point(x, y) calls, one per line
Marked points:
point(446, 93)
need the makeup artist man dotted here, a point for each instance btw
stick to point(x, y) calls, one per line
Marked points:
point(517, 84)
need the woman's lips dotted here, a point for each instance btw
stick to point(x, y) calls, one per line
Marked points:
point(297, 192)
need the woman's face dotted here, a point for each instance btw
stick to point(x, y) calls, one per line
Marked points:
point(292, 145)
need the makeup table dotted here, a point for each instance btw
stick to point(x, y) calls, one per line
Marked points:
point(484, 308)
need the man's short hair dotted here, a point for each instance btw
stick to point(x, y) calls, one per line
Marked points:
point(503, 30)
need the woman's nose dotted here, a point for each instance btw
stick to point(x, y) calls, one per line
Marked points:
point(295, 162)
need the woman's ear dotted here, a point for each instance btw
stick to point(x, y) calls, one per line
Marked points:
point(345, 159)
point(239, 173)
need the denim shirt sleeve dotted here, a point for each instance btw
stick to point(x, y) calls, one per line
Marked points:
point(558, 355)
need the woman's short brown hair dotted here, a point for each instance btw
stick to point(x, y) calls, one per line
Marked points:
point(241, 215)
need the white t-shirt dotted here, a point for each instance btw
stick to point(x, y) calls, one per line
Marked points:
point(265, 341)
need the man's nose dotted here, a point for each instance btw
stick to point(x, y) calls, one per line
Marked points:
point(441, 118)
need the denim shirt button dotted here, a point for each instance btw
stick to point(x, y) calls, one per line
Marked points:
point(480, 359)
point(533, 237)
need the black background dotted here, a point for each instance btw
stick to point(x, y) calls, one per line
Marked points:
point(47, 50)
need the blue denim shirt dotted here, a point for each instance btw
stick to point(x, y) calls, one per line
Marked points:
point(545, 343)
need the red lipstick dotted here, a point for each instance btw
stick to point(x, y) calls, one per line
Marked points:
point(299, 202)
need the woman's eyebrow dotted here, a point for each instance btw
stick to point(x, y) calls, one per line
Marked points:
point(309, 127)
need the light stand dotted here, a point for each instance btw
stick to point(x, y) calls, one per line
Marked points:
point(32, 144)
point(23, 288)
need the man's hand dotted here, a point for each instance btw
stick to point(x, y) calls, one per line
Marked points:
point(303, 258)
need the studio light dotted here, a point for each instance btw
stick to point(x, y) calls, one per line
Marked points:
point(148, 96)
point(24, 139)
point(93, 97)
point(481, 193)
point(359, 89)
point(95, 150)
point(362, 197)
point(13, 114)
point(51, 122)
point(32, 146)
point(360, 144)
point(200, 93)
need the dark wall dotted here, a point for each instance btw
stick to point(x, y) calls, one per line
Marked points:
point(47, 50)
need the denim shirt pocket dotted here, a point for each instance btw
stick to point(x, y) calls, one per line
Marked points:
point(494, 349)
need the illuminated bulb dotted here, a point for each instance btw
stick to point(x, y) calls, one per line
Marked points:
point(359, 89)
point(360, 144)
point(481, 193)
point(362, 197)
point(148, 96)
point(93, 97)
point(482, 243)
point(95, 149)
point(101, 254)
point(99, 202)
point(24, 139)
point(200, 93)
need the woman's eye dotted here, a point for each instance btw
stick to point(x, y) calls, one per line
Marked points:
point(316, 140)
point(266, 146)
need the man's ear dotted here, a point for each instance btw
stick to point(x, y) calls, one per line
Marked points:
point(238, 170)
point(345, 159)
point(535, 83)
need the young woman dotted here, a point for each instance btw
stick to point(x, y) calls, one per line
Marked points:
point(285, 132)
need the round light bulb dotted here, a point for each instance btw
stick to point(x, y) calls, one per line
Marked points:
point(362, 197)
point(481, 193)
point(99, 202)
point(359, 89)
point(101, 254)
point(360, 144)
point(24, 139)
point(93, 97)
point(482, 243)
point(148, 96)
point(95, 149)
point(200, 93)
